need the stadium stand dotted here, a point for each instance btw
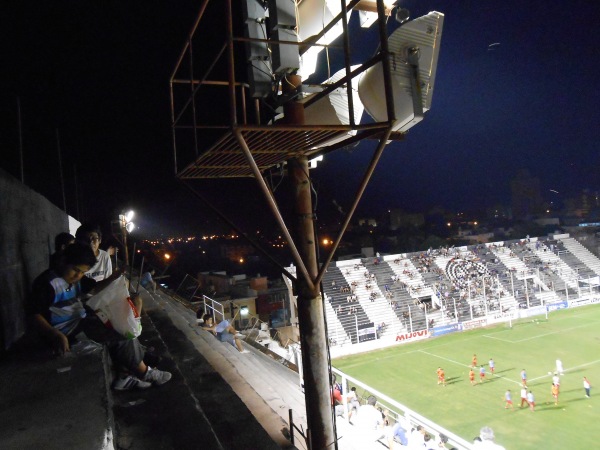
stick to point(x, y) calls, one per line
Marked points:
point(439, 287)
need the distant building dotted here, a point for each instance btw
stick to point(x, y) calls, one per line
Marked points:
point(545, 221)
point(367, 222)
point(236, 251)
point(475, 237)
point(245, 298)
point(403, 219)
point(583, 205)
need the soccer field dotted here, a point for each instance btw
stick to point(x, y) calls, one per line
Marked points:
point(407, 373)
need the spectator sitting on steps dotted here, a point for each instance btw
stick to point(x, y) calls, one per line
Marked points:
point(369, 422)
point(224, 332)
point(147, 282)
point(58, 314)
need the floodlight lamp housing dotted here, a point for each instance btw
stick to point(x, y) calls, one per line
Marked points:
point(130, 227)
point(333, 109)
point(413, 56)
point(129, 216)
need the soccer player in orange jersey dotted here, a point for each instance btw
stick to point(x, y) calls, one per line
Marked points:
point(474, 360)
point(554, 390)
point(439, 371)
point(442, 377)
point(472, 376)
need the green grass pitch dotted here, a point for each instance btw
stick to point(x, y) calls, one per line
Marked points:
point(407, 373)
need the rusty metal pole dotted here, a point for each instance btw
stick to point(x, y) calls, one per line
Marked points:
point(315, 362)
point(124, 231)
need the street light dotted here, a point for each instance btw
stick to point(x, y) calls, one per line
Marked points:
point(127, 226)
point(168, 261)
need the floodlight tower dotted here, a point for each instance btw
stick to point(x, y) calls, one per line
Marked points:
point(279, 43)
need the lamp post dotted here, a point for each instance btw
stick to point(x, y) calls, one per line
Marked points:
point(127, 226)
point(169, 260)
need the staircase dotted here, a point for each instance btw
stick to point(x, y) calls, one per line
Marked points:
point(215, 389)
point(590, 261)
point(558, 271)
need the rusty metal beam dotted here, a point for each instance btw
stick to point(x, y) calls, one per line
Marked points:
point(272, 205)
point(357, 197)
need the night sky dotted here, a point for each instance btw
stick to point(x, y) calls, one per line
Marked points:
point(98, 72)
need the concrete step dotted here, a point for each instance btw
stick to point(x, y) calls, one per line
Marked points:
point(167, 416)
point(54, 403)
point(248, 399)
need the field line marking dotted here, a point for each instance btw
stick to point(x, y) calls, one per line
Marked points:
point(444, 358)
point(402, 353)
point(554, 332)
point(570, 369)
point(489, 336)
point(466, 365)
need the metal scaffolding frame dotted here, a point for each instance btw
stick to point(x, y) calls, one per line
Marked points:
point(241, 147)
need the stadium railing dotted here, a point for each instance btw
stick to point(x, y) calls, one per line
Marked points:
point(399, 412)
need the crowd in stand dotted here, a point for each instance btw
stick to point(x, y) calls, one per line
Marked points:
point(60, 316)
point(472, 282)
point(373, 424)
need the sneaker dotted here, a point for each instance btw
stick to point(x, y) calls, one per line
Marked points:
point(240, 336)
point(245, 351)
point(130, 382)
point(157, 376)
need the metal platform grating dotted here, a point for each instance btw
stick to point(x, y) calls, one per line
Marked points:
point(269, 145)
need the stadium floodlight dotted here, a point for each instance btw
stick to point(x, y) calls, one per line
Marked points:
point(414, 50)
point(312, 163)
point(333, 109)
point(314, 15)
point(127, 226)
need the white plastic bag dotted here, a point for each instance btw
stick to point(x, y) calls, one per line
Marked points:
point(116, 310)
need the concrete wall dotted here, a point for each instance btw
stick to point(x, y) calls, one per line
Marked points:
point(28, 224)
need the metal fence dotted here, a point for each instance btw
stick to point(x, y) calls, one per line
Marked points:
point(188, 290)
